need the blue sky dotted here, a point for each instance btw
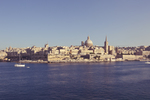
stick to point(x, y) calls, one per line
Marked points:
point(24, 23)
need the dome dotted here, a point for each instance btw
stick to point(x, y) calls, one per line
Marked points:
point(88, 42)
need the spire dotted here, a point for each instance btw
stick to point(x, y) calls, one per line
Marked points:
point(106, 45)
point(106, 38)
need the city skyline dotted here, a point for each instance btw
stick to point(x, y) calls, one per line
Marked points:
point(65, 23)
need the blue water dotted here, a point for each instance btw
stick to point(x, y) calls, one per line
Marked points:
point(80, 81)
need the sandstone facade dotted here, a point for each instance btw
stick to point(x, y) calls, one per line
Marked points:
point(83, 52)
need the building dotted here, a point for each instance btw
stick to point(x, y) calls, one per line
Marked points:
point(2, 55)
point(85, 51)
point(87, 43)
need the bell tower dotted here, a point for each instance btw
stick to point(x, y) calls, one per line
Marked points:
point(106, 46)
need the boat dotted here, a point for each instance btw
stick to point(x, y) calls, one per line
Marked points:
point(19, 64)
point(147, 62)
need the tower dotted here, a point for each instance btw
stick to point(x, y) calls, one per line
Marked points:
point(46, 45)
point(82, 43)
point(106, 46)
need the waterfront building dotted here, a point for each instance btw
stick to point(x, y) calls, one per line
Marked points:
point(2, 55)
point(144, 53)
point(85, 51)
point(132, 57)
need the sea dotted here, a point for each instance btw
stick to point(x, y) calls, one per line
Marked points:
point(75, 81)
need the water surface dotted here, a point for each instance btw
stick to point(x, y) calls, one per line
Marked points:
point(75, 81)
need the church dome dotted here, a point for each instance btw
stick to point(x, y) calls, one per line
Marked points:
point(88, 42)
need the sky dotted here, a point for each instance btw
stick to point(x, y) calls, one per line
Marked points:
point(25, 23)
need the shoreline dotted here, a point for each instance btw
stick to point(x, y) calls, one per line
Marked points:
point(70, 61)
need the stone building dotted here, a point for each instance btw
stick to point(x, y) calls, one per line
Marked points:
point(144, 53)
point(85, 51)
point(87, 43)
point(3, 55)
point(99, 50)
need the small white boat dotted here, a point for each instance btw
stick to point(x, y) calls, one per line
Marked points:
point(19, 65)
point(147, 62)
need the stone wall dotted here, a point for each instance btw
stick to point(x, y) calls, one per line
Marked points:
point(51, 57)
point(132, 57)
